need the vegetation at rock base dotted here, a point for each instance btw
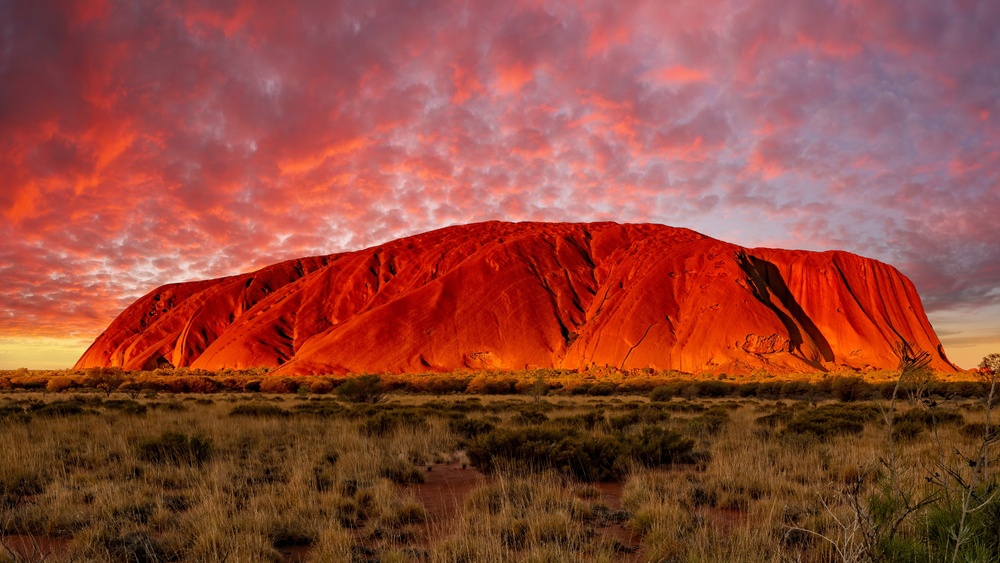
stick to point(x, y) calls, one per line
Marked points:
point(665, 468)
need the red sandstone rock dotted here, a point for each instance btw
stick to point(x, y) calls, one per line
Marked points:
point(523, 295)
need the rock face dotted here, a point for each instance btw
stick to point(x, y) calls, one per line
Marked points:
point(525, 295)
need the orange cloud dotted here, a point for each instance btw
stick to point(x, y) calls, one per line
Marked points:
point(678, 74)
point(190, 139)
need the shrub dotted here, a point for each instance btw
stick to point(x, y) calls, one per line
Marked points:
point(683, 406)
point(584, 456)
point(258, 409)
point(489, 384)
point(849, 389)
point(278, 385)
point(383, 423)
point(662, 393)
point(832, 420)
point(585, 421)
point(126, 407)
point(470, 427)
point(319, 408)
point(798, 390)
point(781, 416)
point(979, 431)
point(201, 385)
point(713, 389)
point(912, 423)
point(59, 408)
point(590, 458)
point(363, 389)
point(710, 422)
point(14, 413)
point(59, 384)
point(654, 447)
point(602, 389)
point(177, 448)
point(321, 386)
point(17, 484)
point(981, 528)
point(622, 422)
point(529, 417)
point(401, 472)
point(442, 384)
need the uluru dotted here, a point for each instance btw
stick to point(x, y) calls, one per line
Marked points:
point(500, 295)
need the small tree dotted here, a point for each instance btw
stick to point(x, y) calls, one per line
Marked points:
point(107, 379)
point(132, 387)
point(989, 374)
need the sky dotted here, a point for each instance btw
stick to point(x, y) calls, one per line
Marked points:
point(144, 143)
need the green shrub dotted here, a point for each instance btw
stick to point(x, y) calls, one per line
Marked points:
point(662, 393)
point(529, 417)
point(929, 418)
point(586, 456)
point(981, 528)
point(682, 406)
point(258, 409)
point(849, 389)
point(832, 420)
point(59, 408)
point(126, 406)
point(590, 458)
point(470, 427)
point(177, 448)
point(585, 421)
point(655, 447)
point(624, 421)
point(713, 389)
point(363, 389)
point(780, 416)
point(602, 389)
point(914, 422)
point(710, 422)
point(172, 406)
point(323, 407)
point(385, 422)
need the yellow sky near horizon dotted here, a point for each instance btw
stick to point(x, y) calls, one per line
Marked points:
point(964, 347)
point(40, 352)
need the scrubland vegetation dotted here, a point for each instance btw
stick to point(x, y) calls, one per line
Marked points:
point(535, 467)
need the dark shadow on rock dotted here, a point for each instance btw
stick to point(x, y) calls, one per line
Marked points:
point(766, 281)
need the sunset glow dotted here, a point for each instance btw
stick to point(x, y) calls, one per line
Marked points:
point(148, 143)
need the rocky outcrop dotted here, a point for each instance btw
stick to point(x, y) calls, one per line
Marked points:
point(521, 295)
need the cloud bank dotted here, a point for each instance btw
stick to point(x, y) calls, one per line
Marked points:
point(145, 143)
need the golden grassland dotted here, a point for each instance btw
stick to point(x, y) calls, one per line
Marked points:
point(678, 470)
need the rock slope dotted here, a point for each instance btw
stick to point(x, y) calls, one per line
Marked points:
point(526, 295)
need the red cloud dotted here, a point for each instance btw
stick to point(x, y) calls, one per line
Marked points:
point(189, 139)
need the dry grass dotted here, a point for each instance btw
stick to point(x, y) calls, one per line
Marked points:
point(337, 481)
